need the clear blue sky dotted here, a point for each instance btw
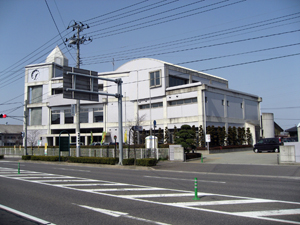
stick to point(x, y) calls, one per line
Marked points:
point(254, 44)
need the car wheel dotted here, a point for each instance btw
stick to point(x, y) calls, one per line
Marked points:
point(276, 150)
point(256, 150)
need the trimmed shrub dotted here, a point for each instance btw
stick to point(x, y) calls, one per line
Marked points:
point(95, 160)
point(128, 161)
point(26, 157)
point(146, 162)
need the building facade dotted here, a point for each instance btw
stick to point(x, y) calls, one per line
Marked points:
point(11, 135)
point(152, 90)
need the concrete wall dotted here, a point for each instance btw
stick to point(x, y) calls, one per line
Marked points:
point(176, 153)
point(268, 125)
point(290, 152)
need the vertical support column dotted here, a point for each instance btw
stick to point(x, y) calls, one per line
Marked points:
point(77, 128)
point(120, 121)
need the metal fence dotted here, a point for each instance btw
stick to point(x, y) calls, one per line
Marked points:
point(90, 152)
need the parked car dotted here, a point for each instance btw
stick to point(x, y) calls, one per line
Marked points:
point(267, 144)
point(95, 143)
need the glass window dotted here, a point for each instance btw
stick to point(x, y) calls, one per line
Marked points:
point(84, 116)
point(58, 72)
point(98, 115)
point(144, 106)
point(35, 116)
point(100, 87)
point(155, 78)
point(56, 91)
point(187, 101)
point(68, 117)
point(179, 102)
point(175, 81)
point(35, 94)
point(55, 117)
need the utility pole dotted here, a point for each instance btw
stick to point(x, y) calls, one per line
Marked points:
point(77, 40)
point(25, 126)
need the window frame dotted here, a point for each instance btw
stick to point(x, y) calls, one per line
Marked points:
point(155, 79)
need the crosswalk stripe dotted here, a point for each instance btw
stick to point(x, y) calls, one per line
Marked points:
point(280, 212)
point(126, 189)
point(222, 202)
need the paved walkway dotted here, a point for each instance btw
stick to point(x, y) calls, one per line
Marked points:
point(244, 157)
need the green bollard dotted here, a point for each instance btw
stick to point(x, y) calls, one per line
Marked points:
point(19, 168)
point(201, 159)
point(196, 190)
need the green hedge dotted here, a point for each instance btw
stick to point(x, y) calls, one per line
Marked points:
point(94, 160)
point(146, 162)
point(128, 161)
point(26, 157)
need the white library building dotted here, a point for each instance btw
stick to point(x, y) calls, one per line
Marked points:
point(152, 90)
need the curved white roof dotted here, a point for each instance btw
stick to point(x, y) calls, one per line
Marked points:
point(170, 64)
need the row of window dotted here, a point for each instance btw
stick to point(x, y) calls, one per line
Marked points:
point(83, 116)
point(183, 101)
point(223, 103)
point(170, 103)
point(153, 105)
point(227, 103)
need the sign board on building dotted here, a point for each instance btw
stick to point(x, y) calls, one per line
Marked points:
point(80, 84)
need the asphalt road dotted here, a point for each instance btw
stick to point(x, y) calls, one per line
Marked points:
point(229, 193)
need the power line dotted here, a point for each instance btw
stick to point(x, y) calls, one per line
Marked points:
point(134, 27)
point(115, 11)
point(198, 37)
point(206, 46)
point(256, 61)
point(57, 27)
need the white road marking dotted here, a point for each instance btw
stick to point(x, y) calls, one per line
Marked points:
point(158, 195)
point(120, 214)
point(222, 202)
point(126, 189)
point(38, 220)
point(280, 212)
point(171, 178)
point(93, 184)
point(49, 181)
point(45, 177)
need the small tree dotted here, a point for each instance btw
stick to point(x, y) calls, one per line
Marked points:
point(186, 138)
point(201, 137)
point(166, 138)
point(221, 135)
point(229, 136)
point(32, 138)
point(241, 136)
point(234, 136)
point(160, 134)
point(175, 134)
point(248, 136)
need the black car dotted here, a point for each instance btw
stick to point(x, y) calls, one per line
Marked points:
point(267, 144)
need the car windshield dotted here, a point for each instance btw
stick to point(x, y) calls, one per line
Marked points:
point(260, 141)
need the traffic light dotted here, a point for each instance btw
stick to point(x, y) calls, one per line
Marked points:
point(2, 115)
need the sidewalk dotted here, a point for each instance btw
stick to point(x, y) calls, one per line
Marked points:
point(245, 163)
point(244, 157)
